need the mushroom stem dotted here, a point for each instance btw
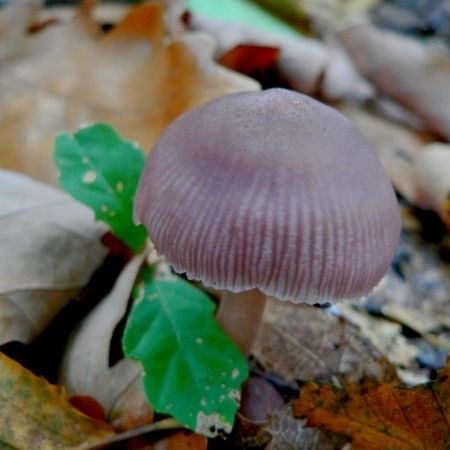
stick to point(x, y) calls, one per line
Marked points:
point(240, 315)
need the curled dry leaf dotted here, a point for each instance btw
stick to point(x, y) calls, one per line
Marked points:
point(379, 416)
point(85, 367)
point(432, 177)
point(37, 415)
point(135, 78)
point(307, 64)
point(14, 21)
point(50, 248)
point(300, 342)
point(385, 335)
point(415, 295)
point(289, 433)
point(416, 74)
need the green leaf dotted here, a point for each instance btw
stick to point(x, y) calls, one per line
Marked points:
point(243, 11)
point(192, 370)
point(101, 170)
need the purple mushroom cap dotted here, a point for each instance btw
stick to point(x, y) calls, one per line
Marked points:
point(273, 191)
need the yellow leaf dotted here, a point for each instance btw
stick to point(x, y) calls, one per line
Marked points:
point(36, 415)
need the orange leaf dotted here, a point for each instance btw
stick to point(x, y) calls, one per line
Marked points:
point(183, 441)
point(37, 415)
point(381, 416)
point(251, 59)
point(138, 78)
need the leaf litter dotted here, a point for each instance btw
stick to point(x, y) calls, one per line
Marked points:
point(410, 310)
point(50, 248)
point(67, 76)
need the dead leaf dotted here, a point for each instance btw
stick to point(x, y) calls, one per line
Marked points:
point(385, 335)
point(50, 248)
point(183, 441)
point(132, 409)
point(413, 304)
point(307, 64)
point(379, 416)
point(414, 73)
point(289, 433)
point(301, 342)
point(38, 416)
point(85, 368)
point(250, 59)
point(432, 177)
point(15, 19)
point(136, 78)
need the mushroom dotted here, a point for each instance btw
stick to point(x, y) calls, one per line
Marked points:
point(269, 193)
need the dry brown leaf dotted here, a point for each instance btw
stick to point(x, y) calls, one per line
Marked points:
point(289, 433)
point(85, 366)
point(50, 248)
point(301, 342)
point(385, 335)
point(432, 177)
point(380, 416)
point(15, 19)
point(38, 416)
point(307, 64)
point(415, 74)
point(182, 441)
point(135, 78)
point(132, 409)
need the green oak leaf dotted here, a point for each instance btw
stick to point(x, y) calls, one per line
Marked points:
point(192, 370)
point(101, 169)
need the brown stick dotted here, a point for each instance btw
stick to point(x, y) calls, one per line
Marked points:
point(240, 315)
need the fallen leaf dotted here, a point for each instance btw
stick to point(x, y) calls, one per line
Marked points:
point(50, 248)
point(250, 59)
point(385, 335)
point(301, 342)
point(307, 65)
point(182, 441)
point(136, 78)
point(289, 433)
point(36, 415)
point(132, 409)
point(378, 415)
point(431, 174)
point(85, 368)
point(414, 73)
point(15, 19)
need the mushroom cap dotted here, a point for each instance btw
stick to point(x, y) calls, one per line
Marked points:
point(270, 190)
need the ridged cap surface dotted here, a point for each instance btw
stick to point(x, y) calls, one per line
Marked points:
point(270, 190)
